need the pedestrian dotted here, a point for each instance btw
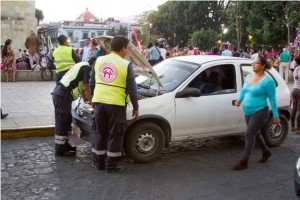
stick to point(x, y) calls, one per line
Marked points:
point(86, 52)
point(47, 41)
point(154, 54)
point(8, 59)
point(235, 52)
point(163, 51)
point(214, 52)
point(245, 53)
point(65, 57)
point(257, 88)
point(191, 51)
point(32, 42)
point(73, 84)
point(284, 65)
point(254, 55)
point(295, 118)
point(226, 52)
point(115, 80)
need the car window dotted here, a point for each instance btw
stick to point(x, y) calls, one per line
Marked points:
point(247, 69)
point(171, 73)
point(216, 80)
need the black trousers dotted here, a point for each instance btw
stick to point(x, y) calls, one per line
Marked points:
point(110, 121)
point(62, 100)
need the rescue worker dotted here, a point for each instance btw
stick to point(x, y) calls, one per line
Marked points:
point(65, 57)
point(114, 78)
point(73, 84)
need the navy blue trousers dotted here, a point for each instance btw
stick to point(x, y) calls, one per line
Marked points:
point(110, 121)
point(62, 100)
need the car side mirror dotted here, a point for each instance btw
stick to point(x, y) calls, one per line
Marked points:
point(188, 92)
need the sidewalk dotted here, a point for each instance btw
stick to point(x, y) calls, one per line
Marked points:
point(30, 108)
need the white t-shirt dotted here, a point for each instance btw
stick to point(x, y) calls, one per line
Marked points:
point(163, 52)
point(254, 56)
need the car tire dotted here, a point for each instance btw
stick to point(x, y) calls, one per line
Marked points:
point(144, 142)
point(276, 134)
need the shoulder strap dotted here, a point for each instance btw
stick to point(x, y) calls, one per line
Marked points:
point(158, 51)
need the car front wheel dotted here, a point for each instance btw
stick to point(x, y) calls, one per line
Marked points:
point(276, 134)
point(144, 142)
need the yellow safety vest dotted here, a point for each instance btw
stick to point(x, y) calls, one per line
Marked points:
point(70, 76)
point(63, 58)
point(110, 76)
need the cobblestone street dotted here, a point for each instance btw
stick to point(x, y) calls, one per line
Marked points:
point(191, 170)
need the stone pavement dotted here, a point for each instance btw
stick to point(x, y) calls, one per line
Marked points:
point(29, 105)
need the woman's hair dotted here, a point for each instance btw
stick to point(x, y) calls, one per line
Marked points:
point(4, 50)
point(266, 62)
point(149, 45)
point(297, 59)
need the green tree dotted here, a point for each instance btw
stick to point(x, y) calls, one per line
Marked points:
point(112, 32)
point(39, 15)
point(122, 31)
point(204, 38)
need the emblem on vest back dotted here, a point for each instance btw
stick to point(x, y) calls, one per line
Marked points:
point(108, 72)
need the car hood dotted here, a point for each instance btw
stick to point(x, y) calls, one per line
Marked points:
point(140, 63)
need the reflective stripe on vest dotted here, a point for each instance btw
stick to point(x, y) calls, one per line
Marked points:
point(63, 58)
point(110, 76)
point(70, 76)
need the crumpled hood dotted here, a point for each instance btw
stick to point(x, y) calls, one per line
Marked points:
point(140, 63)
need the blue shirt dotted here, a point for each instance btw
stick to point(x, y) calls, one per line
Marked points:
point(226, 53)
point(254, 97)
point(154, 53)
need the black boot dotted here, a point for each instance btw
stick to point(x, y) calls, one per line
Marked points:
point(63, 150)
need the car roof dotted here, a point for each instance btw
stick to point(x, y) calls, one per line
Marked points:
point(200, 59)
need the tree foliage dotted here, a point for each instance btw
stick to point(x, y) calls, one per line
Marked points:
point(39, 15)
point(270, 23)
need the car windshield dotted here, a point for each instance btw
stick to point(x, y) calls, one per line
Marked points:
point(170, 72)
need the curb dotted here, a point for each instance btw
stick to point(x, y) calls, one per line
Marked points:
point(19, 133)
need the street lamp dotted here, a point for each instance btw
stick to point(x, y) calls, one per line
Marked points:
point(222, 27)
point(174, 39)
point(150, 27)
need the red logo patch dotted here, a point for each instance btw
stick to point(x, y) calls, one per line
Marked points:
point(108, 72)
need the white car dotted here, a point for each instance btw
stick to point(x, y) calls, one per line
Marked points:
point(189, 97)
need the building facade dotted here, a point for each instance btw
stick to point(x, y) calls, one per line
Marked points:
point(17, 22)
point(85, 26)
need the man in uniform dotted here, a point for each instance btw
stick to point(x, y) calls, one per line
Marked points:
point(73, 84)
point(65, 57)
point(114, 78)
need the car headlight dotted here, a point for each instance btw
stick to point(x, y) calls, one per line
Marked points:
point(298, 167)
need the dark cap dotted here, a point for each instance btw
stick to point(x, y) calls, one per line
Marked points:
point(62, 39)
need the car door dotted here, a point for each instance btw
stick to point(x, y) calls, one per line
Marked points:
point(212, 112)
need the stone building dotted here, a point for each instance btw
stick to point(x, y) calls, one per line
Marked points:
point(17, 18)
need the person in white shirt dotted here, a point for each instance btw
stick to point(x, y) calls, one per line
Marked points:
point(86, 50)
point(255, 55)
point(163, 51)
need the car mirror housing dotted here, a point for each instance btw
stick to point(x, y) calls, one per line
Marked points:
point(188, 92)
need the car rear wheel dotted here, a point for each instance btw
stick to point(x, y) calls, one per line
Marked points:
point(276, 134)
point(144, 142)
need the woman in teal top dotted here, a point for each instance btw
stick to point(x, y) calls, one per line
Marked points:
point(256, 90)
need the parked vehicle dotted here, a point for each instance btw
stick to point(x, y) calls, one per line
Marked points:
point(188, 97)
point(297, 178)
